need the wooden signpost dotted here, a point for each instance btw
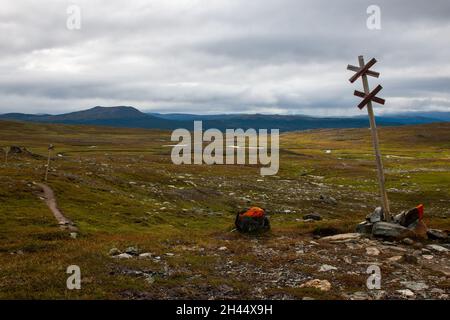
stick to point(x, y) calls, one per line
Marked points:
point(368, 96)
point(6, 155)
point(50, 148)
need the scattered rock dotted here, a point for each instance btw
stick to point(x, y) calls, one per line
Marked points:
point(114, 252)
point(396, 259)
point(408, 241)
point(132, 251)
point(15, 149)
point(326, 267)
point(435, 234)
point(409, 258)
point(376, 216)
point(437, 291)
point(417, 245)
point(416, 286)
point(312, 216)
point(226, 289)
point(145, 255)
point(342, 237)
point(73, 235)
point(359, 295)
point(124, 256)
point(391, 231)
point(323, 285)
point(417, 253)
point(328, 199)
point(378, 294)
point(406, 258)
point(406, 293)
point(348, 260)
point(223, 248)
point(437, 248)
point(427, 256)
point(395, 248)
point(372, 251)
point(364, 227)
point(441, 268)
point(149, 279)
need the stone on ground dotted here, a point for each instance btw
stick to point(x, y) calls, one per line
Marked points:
point(406, 293)
point(391, 231)
point(323, 285)
point(415, 286)
point(342, 237)
point(124, 256)
point(376, 216)
point(326, 267)
point(437, 248)
point(364, 227)
point(114, 252)
point(132, 251)
point(408, 241)
point(372, 251)
point(435, 234)
point(328, 199)
point(312, 216)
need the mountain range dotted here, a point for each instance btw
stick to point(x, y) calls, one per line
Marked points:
point(130, 117)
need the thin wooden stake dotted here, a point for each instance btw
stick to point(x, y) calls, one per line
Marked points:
point(50, 148)
point(373, 127)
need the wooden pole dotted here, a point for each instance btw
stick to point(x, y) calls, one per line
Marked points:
point(48, 162)
point(373, 127)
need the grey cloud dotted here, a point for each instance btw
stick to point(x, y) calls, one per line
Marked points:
point(284, 56)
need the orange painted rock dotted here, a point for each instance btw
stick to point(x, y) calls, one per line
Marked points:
point(252, 220)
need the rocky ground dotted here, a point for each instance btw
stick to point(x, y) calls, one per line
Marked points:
point(148, 229)
point(332, 267)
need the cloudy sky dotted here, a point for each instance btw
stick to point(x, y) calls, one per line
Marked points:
point(221, 56)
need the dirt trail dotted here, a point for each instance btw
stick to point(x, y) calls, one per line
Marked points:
point(50, 200)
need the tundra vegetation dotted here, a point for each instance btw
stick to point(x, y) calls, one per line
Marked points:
point(121, 189)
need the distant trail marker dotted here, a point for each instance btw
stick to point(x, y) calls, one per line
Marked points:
point(368, 96)
point(50, 148)
point(6, 155)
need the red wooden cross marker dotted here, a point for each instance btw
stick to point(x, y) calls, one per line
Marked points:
point(369, 97)
point(372, 97)
point(363, 71)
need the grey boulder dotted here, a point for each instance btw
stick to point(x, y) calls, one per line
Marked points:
point(435, 234)
point(364, 227)
point(376, 216)
point(391, 231)
point(312, 216)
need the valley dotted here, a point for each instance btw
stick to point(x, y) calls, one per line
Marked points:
point(122, 191)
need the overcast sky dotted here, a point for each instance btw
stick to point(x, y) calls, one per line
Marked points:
point(221, 56)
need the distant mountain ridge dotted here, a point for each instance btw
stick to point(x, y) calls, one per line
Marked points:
point(121, 116)
point(126, 116)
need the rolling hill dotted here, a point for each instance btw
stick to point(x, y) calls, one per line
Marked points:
point(124, 116)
